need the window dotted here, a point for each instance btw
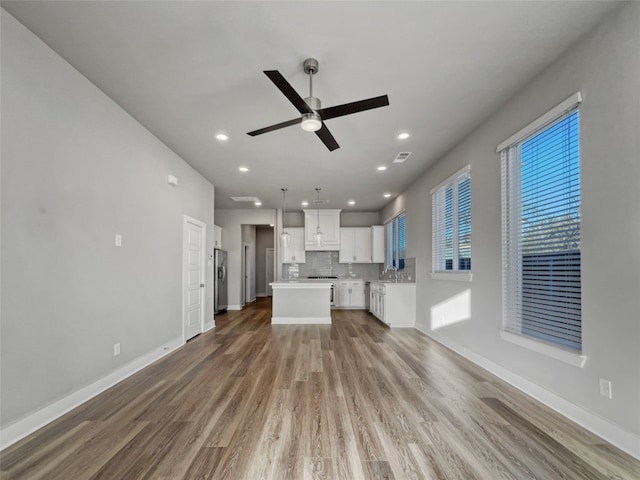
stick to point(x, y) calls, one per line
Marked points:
point(451, 224)
point(541, 230)
point(395, 242)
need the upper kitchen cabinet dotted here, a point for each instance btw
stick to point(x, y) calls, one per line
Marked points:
point(377, 244)
point(329, 226)
point(295, 252)
point(217, 236)
point(355, 245)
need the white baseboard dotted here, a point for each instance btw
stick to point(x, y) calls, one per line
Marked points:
point(301, 321)
point(27, 425)
point(209, 326)
point(610, 432)
point(234, 307)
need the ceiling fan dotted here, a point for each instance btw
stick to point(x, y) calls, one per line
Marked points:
point(313, 116)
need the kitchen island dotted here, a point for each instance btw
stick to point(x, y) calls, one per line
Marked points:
point(299, 302)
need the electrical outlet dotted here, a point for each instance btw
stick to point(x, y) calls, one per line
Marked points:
point(605, 388)
point(118, 240)
point(116, 349)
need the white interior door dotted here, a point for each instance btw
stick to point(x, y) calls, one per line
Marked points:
point(194, 235)
point(269, 270)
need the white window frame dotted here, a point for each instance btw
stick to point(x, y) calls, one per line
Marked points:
point(509, 203)
point(437, 231)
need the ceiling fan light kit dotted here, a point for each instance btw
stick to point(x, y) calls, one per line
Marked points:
point(312, 115)
point(311, 122)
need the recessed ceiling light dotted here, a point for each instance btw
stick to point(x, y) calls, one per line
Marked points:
point(403, 135)
point(305, 204)
point(387, 195)
point(257, 204)
point(243, 169)
point(222, 136)
point(382, 168)
point(352, 202)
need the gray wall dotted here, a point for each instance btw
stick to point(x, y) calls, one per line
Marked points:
point(264, 240)
point(605, 67)
point(231, 221)
point(248, 236)
point(76, 170)
point(347, 219)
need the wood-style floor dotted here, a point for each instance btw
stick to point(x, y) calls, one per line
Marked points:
point(353, 400)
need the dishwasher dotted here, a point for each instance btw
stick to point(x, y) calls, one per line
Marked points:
point(367, 297)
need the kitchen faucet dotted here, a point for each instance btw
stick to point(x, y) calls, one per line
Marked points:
point(395, 272)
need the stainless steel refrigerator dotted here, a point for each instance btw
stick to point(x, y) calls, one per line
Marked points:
point(220, 289)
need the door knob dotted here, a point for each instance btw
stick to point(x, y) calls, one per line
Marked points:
point(202, 285)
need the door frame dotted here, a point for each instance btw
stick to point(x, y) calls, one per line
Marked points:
point(246, 252)
point(194, 221)
point(273, 269)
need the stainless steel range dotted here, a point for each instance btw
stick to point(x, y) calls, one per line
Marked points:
point(333, 285)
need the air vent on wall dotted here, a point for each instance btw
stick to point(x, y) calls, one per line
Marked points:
point(401, 157)
point(320, 202)
point(245, 199)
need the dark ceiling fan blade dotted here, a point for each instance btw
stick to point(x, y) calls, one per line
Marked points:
point(353, 107)
point(325, 135)
point(288, 91)
point(277, 126)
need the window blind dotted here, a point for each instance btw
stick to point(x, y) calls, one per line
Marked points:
point(395, 241)
point(541, 234)
point(451, 223)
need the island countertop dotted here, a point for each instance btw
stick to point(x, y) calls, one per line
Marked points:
point(303, 283)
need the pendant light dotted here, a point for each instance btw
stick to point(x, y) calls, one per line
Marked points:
point(285, 238)
point(318, 237)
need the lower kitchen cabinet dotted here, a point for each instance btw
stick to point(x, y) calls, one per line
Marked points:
point(393, 303)
point(350, 294)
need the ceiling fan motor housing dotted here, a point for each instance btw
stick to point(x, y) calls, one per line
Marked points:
point(310, 66)
point(313, 102)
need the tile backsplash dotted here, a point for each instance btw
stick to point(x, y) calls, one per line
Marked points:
point(406, 275)
point(326, 264)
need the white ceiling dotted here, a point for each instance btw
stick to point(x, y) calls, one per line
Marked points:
point(187, 70)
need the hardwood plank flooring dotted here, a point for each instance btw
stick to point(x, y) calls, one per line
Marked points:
point(353, 400)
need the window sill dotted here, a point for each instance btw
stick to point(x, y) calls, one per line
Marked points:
point(457, 276)
point(572, 358)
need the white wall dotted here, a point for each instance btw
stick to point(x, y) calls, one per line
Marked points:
point(76, 170)
point(605, 67)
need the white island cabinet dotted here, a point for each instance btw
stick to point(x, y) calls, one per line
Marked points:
point(299, 302)
point(393, 303)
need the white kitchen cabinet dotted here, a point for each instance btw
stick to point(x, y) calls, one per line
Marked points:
point(329, 226)
point(350, 294)
point(377, 244)
point(355, 245)
point(393, 303)
point(295, 253)
point(217, 236)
